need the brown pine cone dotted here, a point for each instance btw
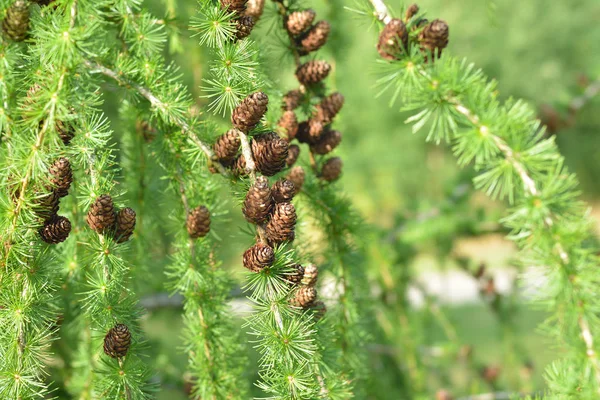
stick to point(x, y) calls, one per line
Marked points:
point(16, 22)
point(117, 341)
point(125, 224)
point(258, 202)
point(101, 216)
point(55, 230)
point(332, 169)
point(250, 111)
point(304, 297)
point(294, 278)
point(289, 123)
point(281, 226)
point(393, 40)
point(411, 11)
point(299, 21)
point(238, 6)
point(292, 100)
point(238, 166)
point(283, 191)
point(434, 36)
point(270, 152)
point(329, 107)
point(297, 176)
point(65, 131)
point(258, 257)
point(244, 26)
point(293, 154)
point(47, 205)
point(254, 9)
point(315, 38)
point(328, 141)
point(227, 145)
point(61, 176)
point(198, 222)
point(311, 274)
point(310, 131)
point(312, 72)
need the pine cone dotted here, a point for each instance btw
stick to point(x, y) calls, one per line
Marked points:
point(311, 274)
point(101, 216)
point(292, 100)
point(332, 169)
point(47, 205)
point(55, 230)
point(329, 107)
point(244, 26)
point(411, 11)
point(315, 38)
point(393, 40)
point(16, 22)
point(328, 141)
point(198, 222)
point(258, 203)
point(250, 111)
point(434, 37)
point(293, 154)
point(65, 131)
point(125, 224)
point(312, 72)
point(270, 152)
point(283, 191)
point(294, 278)
point(239, 166)
point(117, 341)
point(319, 310)
point(258, 257)
point(297, 176)
point(254, 9)
point(61, 176)
point(281, 226)
point(310, 131)
point(227, 145)
point(238, 6)
point(304, 297)
point(299, 21)
point(289, 123)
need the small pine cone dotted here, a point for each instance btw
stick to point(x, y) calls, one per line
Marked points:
point(289, 123)
point(198, 222)
point(411, 11)
point(304, 297)
point(47, 205)
point(297, 176)
point(239, 166)
point(125, 224)
point(311, 274)
point(258, 202)
point(238, 6)
point(309, 131)
point(315, 38)
point(270, 152)
point(258, 257)
point(65, 131)
point(294, 278)
point(250, 111)
point(329, 107)
point(292, 100)
point(293, 153)
point(101, 216)
point(61, 176)
point(434, 36)
point(312, 72)
point(393, 40)
point(283, 191)
point(254, 9)
point(319, 310)
point(117, 341)
point(244, 26)
point(55, 230)
point(281, 226)
point(16, 21)
point(329, 140)
point(299, 21)
point(227, 145)
point(332, 169)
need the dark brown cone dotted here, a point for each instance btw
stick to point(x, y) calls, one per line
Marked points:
point(434, 36)
point(283, 190)
point(250, 111)
point(281, 226)
point(411, 11)
point(304, 297)
point(315, 38)
point(299, 21)
point(329, 140)
point(309, 131)
point(311, 275)
point(198, 222)
point(294, 278)
point(65, 131)
point(289, 123)
point(61, 176)
point(297, 176)
point(238, 6)
point(292, 100)
point(258, 202)
point(16, 22)
point(312, 72)
point(270, 152)
point(244, 26)
point(239, 166)
point(47, 205)
point(319, 310)
point(258, 257)
point(101, 216)
point(125, 224)
point(117, 341)
point(254, 9)
point(293, 154)
point(55, 230)
point(393, 40)
point(332, 169)
point(227, 145)
point(329, 107)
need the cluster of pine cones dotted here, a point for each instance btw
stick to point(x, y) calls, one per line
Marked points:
point(399, 35)
point(56, 228)
point(105, 220)
point(15, 25)
point(246, 14)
